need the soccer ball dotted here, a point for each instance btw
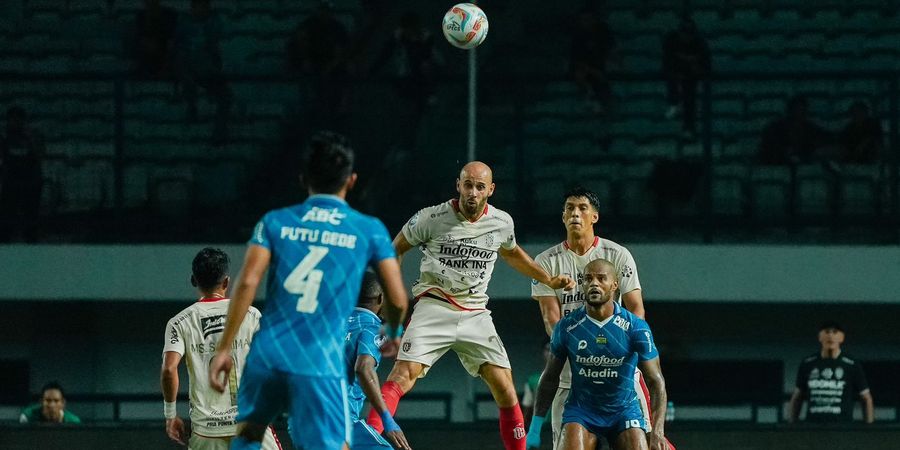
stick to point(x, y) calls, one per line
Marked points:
point(465, 26)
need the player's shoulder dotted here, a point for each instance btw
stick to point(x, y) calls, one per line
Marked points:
point(497, 214)
point(430, 214)
point(184, 314)
point(629, 320)
point(552, 252)
point(811, 359)
point(848, 359)
point(254, 312)
point(573, 319)
point(614, 249)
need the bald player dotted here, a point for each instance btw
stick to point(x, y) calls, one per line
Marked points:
point(603, 342)
point(460, 240)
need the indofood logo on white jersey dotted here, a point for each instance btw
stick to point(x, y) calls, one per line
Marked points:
point(601, 360)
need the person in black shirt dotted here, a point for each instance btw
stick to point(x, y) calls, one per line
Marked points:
point(831, 382)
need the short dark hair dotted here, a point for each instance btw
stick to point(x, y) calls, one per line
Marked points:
point(210, 267)
point(328, 162)
point(831, 325)
point(53, 385)
point(370, 289)
point(581, 191)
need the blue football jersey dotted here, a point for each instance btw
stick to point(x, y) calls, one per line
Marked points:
point(603, 356)
point(320, 249)
point(363, 338)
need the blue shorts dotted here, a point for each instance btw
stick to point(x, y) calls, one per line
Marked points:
point(365, 438)
point(319, 416)
point(608, 426)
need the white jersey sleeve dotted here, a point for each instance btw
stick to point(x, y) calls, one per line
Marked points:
point(417, 229)
point(539, 289)
point(628, 273)
point(174, 339)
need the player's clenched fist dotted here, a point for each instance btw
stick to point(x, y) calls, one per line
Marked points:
point(219, 368)
point(562, 282)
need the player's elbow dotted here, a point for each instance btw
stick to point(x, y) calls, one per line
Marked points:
point(168, 374)
point(364, 366)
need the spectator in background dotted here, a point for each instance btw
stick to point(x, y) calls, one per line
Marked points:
point(685, 61)
point(831, 381)
point(791, 139)
point(21, 176)
point(411, 54)
point(862, 139)
point(199, 58)
point(51, 409)
point(154, 34)
point(593, 43)
point(318, 50)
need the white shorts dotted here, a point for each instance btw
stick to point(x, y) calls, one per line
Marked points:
point(562, 394)
point(436, 327)
point(198, 442)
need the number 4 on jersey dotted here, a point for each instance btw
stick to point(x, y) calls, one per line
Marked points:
point(305, 279)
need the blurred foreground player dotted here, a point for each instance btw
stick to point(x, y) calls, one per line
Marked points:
point(363, 355)
point(460, 240)
point(602, 342)
point(315, 253)
point(193, 334)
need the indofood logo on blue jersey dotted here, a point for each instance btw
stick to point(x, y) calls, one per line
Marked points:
point(601, 360)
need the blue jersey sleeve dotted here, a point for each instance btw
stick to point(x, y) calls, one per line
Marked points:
point(369, 343)
point(558, 340)
point(642, 341)
point(261, 233)
point(382, 246)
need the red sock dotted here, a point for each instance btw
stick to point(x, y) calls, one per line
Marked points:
point(391, 394)
point(512, 428)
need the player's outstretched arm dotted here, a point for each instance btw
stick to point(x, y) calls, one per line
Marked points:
point(396, 304)
point(256, 261)
point(550, 312)
point(519, 260)
point(545, 393)
point(368, 381)
point(656, 384)
point(168, 380)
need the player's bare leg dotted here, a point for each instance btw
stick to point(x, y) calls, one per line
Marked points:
point(512, 425)
point(631, 439)
point(401, 380)
point(405, 374)
point(577, 437)
point(500, 382)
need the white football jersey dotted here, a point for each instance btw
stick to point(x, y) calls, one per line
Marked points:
point(560, 260)
point(458, 256)
point(194, 333)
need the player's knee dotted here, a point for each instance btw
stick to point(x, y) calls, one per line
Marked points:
point(251, 431)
